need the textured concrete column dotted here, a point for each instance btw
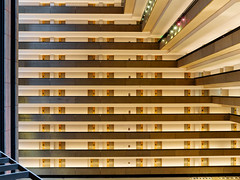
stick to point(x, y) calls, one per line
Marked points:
point(8, 78)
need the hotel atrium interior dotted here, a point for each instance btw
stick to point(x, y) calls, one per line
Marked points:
point(120, 89)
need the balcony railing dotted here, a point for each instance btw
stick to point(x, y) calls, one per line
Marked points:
point(90, 45)
point(81, 27)
point(126, 117)
point(124, 153)
point(99, 63)
point(118, 99)
point(107, 81)
point(140, 171)
point(71, 9)
point(198, 135)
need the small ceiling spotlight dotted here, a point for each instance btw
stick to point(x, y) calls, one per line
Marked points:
point(183, 19)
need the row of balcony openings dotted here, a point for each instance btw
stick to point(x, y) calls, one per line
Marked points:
point(139, 110)
point(109, 145)
point(100, 4)
point(110, 128)
point(140, 57)
point(139, 145)
point(157, 162)
point(45, 92)
point(90, 22)
point(94, 57)
point(109, 75)
point(52, 39)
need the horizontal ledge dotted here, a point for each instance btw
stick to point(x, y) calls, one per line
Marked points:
point(118, 99)
point(138, 171)
point(222, 43)
point(71, 9)
point(90, 45)
point(130, 135)
point(226, 77)
point(106, 81)
point(130, 153)
point(126, 117)
point(225, 100)
point(98, 63)
point(81, 27)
